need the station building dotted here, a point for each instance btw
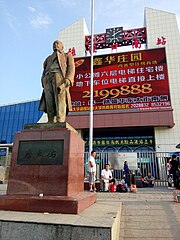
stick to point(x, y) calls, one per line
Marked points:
point(157, 126)
point(136, 87)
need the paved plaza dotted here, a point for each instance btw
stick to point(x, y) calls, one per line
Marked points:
point(148, 214)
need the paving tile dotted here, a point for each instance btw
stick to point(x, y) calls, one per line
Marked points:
point(149, 214)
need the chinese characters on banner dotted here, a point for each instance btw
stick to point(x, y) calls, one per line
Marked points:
point(94, 49)
point(136, 44)
point(114, 46)
point(131, 80)
point(72, 51)
point(120, 142)
point(161, 41)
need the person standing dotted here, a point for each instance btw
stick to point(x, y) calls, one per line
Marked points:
point(174, 169)
point(92, 171)
point(168, 166)
point(178, 177)
point(57, 78)
point(126, 173)
point(139, 170)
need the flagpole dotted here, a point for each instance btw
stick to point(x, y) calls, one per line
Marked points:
point(91, 80)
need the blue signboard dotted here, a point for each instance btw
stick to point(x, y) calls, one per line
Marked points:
point(3, 152)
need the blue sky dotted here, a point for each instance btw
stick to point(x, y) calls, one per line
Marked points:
point(28, 28)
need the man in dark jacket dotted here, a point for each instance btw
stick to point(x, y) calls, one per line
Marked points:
point(174, 169)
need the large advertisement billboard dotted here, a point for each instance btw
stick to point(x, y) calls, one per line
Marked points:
point(131, 81)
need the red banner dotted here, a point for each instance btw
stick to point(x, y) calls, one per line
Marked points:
point(129, 80)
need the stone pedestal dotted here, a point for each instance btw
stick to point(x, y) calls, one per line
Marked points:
point(47, 171)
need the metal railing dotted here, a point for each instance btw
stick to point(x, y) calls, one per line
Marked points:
point(154, 162)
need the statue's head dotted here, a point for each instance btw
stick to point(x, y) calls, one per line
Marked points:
point(58, 45)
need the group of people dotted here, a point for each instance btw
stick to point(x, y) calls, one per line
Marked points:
point(106, 174)
point(173, 172)
point(148, 181)
point(107, 177)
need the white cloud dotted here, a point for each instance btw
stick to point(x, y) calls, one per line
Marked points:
point(41, 21)
point(31, 9)
point(11, 21)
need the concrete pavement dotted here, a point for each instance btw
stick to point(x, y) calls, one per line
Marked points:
point(148, 214)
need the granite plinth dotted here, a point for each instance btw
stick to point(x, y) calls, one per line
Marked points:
point(51, 204)
point(66, 179)
point(61, 182)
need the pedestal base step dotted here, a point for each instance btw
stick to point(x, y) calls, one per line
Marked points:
point(51, 204)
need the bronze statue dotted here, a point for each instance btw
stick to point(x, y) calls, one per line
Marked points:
point(57, 78)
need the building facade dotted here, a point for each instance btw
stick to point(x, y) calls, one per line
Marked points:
point(163, 24)
point(118, 130)
point(15, 116)
point(162, 126)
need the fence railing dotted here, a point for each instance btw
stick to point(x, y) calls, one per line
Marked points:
point(154, 162)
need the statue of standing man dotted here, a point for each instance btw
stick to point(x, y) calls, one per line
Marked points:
point(57, 78)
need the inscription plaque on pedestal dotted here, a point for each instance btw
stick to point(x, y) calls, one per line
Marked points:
point(46, 152)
